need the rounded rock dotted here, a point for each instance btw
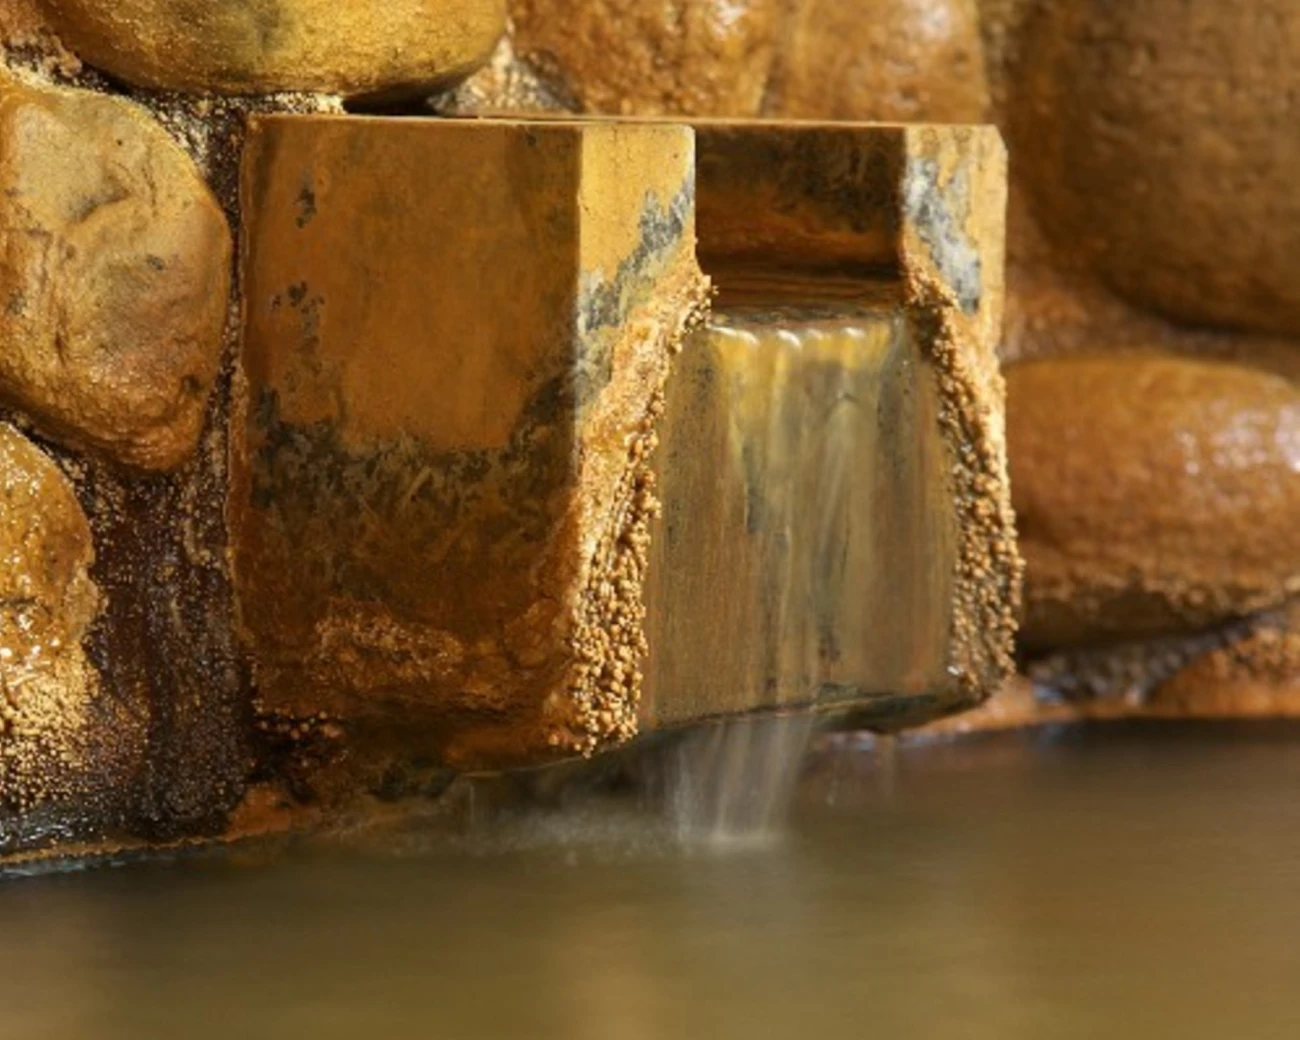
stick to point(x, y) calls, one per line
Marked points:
point(47, 601)
point(114, 276)
point(1153, 495)
point(1158, 137)
point(881, 60)
point(640, 57)
point(266, 46)
point(1253, 674)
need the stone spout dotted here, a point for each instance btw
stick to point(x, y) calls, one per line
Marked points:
point(454, 539)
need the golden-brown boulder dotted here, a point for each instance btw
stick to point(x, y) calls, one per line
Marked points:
point(114, 276)
point(47, 601)
point(699, 58)
point(1152, 494)
point(886, 60)
point(1158, 138)
point(265, 46)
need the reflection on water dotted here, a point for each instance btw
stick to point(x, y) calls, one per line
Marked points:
point(1137, 888)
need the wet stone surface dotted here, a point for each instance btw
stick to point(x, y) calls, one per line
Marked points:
point(114, 276)
point(47, 602)
point(1153, 495)
point(441, 494)
point(266, 46)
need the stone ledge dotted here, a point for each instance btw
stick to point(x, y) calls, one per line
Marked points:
point(456, 339)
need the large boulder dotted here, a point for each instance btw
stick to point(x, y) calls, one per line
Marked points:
point(114, 276)
point(1153, 494)
point(47, 601)
point(883, 60)
point(640, 57)
point(1158, 138)
point(266, 46)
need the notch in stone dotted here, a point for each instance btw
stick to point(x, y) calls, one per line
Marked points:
point(837, 533)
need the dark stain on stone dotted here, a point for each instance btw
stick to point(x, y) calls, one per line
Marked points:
point(838, 179)
point(89, 205)
point(605, 303)
point(929, 205)
point(164, 645)
point(310, 310)
point(367, 512)
point(306, 206)
point(166, 753)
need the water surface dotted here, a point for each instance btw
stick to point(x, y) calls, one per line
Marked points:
point(1145, 885)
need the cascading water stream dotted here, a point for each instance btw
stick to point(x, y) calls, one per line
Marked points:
point(803, 562)
point(732, 782)
point(828, 469)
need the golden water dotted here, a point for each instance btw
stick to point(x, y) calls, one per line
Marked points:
point(806, 551)
point(1128, 888)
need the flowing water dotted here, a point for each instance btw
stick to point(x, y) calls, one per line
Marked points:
point(732, 782)
point(1134, 885)
point(806, 550)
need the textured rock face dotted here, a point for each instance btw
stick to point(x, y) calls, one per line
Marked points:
point(700, 57)
point(1153, 495)
point(887, 60)
point(25, 32)
point(264, 46)
point(47, 601)
point(505, 84)
point(1158, 141)
point(455, 357)
point(805, 59)
point(114, 276)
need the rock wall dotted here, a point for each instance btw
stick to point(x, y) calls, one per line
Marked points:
point(1150, 327)
point(1151, 310)
point(139, 656)
point(127, 711)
